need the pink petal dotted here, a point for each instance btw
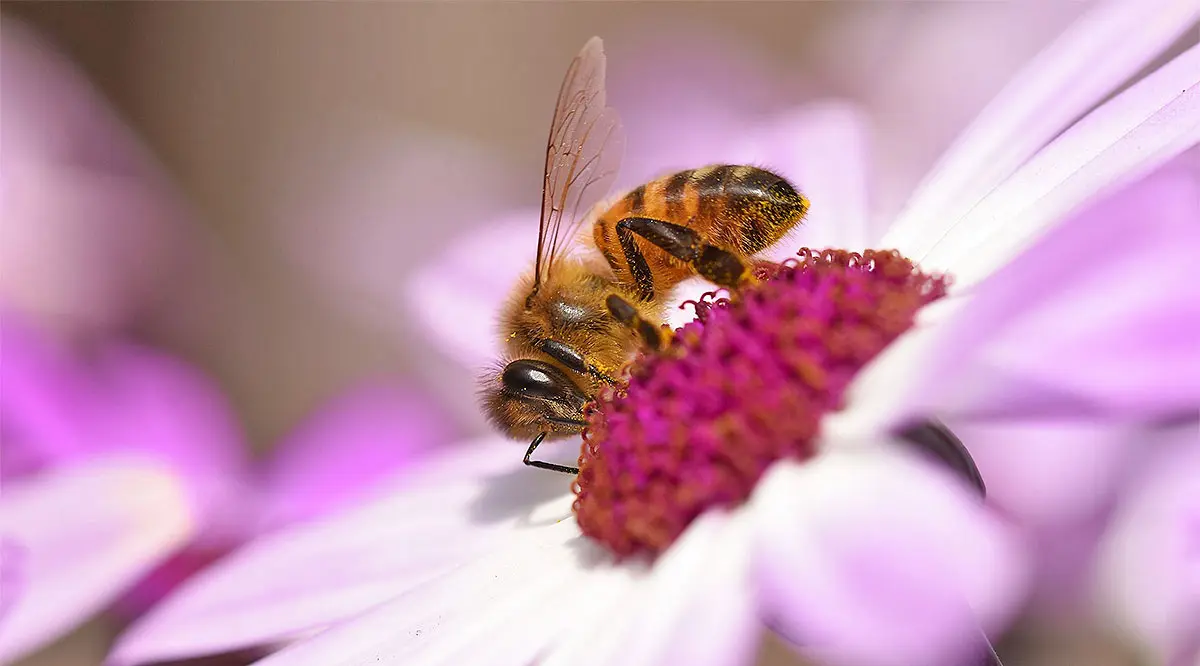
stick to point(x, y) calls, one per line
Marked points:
point(870, 557)
point(1050, 473)
point(1123, 140)
point(347, 449)
point(1092, 58)
point(1150, 563)
point(456, 297)
point(499, 610)
point(439, 515)
point(1096, 320)
point(85, 534)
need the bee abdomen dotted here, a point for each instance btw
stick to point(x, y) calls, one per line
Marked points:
point(746, 206)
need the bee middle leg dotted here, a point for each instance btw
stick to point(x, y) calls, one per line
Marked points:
point(711, 262)
point(654, 337)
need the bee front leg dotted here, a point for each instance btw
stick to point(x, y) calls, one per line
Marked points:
point(542, 464)
point(719, 266)
point(571, 358)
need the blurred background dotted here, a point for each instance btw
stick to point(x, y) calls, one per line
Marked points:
point(323, 152)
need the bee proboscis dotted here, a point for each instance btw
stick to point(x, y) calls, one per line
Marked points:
point(577, 317)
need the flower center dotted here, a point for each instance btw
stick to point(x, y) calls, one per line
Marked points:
point(739, 388)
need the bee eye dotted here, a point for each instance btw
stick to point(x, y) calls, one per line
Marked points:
point(540, 380)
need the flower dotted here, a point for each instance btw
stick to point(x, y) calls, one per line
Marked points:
point(124, 468)
point(473, 559)
point(134, 457)
point(91, 223)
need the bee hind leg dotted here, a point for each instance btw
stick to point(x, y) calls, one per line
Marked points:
point(654, 337)
point(719, 266)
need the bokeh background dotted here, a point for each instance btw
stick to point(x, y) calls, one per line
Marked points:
point(325, 150)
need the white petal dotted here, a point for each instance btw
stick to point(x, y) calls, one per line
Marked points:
point(1124, 139)
point(874, 557)
point(437, 516)
point(699, 606)
point(501, 609)
point(83, 535)
point(1093, 57)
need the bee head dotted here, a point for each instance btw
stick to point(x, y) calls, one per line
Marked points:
point(527, 397)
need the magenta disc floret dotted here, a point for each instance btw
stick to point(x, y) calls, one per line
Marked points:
point(742, 386)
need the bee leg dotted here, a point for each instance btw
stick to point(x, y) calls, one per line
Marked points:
point(655, 337)
point(712, 263)
point(542, 464)
point(571, 358)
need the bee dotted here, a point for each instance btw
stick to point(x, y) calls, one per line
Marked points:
point(578, 316)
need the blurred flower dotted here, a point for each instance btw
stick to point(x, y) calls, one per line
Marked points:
point(135, 459)
point(91, 224)
point(470, 559)
point(123, 468)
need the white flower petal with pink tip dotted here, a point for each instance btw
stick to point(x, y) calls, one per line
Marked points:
point(1089, 60)
point(873, 558)
point(80, 536)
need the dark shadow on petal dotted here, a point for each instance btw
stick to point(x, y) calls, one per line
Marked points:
point(936, 440)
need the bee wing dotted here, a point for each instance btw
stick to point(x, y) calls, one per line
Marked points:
point(583, 154)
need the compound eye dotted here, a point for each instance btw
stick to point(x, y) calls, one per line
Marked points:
point(535, 379)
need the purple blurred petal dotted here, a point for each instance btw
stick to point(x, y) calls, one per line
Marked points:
point(456, 297)
point(43, 394)
point(1050, 473)
point(870, 557)
point(13, 571)
point(1088, 61)
point(1150, 563)
point(86, 532)
point(149, 404)
point(1099, 319)
point(438, 515)
point(1125, 139)
point(90, 218)
point(343, 452)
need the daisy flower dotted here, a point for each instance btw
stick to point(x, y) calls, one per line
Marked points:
point(796, 508)
point(123, 469)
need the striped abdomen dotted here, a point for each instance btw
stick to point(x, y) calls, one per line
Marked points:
point(742, 209)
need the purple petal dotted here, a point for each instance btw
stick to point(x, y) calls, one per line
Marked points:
point(869, 557)
point(1098, 320)
point(341, 454)
point(1150, 562)
point(1092, 58)
point(441, 514)
point(85, 534)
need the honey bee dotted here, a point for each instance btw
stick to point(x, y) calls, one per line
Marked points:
point(577, 317)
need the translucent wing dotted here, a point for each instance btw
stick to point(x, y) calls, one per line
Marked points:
point(582, 155)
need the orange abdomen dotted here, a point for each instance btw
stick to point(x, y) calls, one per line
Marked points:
point(742, 209)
